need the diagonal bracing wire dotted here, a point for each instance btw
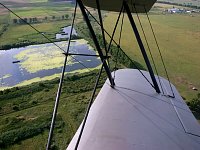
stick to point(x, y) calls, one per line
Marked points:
point(66, 53)
point(44, 35)
point(118, 47)
point(70, 55)
point(101, 22)
point(60, 86)
point(133, 5)
point(32, 26)
point(173, 95)
point(121, 49)
point(88, 109)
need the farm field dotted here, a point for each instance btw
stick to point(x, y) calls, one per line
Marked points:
point(25, 111)
point(185, 2)
point(47, 17)
point(178, 36)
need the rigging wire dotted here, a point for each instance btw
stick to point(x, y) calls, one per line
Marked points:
point(44, 36)
point(102, 31)
point(32, 27)
point(88, 108)
point(102, 26)
point(119, 44)
point(148, 46)
point(70, 55)
point(116, 24)
point(121, 49)
point(114, 30)
point(60, 86)
point(173, 95)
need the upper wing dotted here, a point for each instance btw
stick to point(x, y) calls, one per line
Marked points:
point(139, 6)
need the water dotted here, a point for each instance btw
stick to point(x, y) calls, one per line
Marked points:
point(41, 61)
point(65, 33)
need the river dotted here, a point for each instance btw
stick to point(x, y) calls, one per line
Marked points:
point(41, 62)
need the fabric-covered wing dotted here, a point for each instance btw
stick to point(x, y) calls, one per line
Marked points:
point(132, 116)
point(115, 5)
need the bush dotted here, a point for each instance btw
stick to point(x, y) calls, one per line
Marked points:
point(41, 84)
point(16, 108)
point(194, 104)
point(1, 92)
point(15, 134)
point(6, 91)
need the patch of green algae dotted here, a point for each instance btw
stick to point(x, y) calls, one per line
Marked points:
point(45, 57)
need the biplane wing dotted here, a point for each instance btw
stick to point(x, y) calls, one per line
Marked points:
point(132, 116)
point(130, 113)
point(139, 6)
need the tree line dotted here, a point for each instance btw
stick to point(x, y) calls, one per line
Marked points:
point(178, 4)
point(39, 20)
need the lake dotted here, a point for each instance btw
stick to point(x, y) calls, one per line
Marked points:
point(41, 62)
point(65, 33)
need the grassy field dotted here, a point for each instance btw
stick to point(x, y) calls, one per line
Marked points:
point(178, 36)
point(30, 107)
point(185, 2)
point(25, 112)
point(50, 18)
point(16, 34)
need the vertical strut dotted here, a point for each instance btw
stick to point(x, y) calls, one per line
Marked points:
point(60, 86)
point(137, 35)
point(96, 42)
point(56, 106)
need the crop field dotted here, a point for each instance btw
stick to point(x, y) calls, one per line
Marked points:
point(42, 11)
point(48, 18)
point(185, 2)
point(16, 33)
point(178, 36)
point(25, 110)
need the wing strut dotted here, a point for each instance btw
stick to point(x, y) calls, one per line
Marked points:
point(137, 35)
point(82, 8)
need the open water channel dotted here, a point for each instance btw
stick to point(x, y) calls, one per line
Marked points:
point(39, 61)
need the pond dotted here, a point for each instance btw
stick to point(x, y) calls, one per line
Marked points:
point(41, 62)
point(65, 33)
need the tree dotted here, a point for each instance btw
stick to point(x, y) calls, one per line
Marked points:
point(20, 21)
point(194, 104)
point(35, 20)
point(26, 20)
point(30, 20)
point(14, 21)
point(66, 16)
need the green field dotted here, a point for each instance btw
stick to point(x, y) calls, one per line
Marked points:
point(185, 2)
point(48, 19)
point(178, 36)
point(25, 112)
point(16, 34)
